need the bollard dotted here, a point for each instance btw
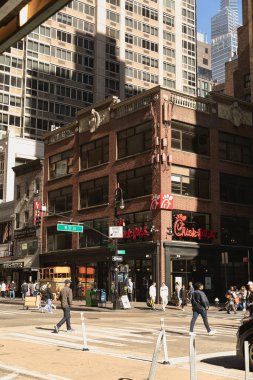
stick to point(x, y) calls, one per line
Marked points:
point(192, 357)
point(166, 359)
point(85, 345)
point(157, 350)
point(246, 358)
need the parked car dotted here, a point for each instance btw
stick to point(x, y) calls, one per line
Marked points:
point(245, 333)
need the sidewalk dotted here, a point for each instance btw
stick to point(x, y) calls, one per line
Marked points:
point(81, 306)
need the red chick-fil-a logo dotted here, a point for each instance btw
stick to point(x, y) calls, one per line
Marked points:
point(181, 230)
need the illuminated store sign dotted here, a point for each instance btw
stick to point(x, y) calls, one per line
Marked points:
point(181, 231)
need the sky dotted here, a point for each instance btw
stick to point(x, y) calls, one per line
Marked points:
point(205, 10)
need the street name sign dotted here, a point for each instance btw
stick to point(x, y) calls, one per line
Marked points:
point(69, 227)
point(116, 232)
point(117, 258)
point(121, 252)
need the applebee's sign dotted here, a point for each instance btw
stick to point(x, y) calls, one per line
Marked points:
point(180, 230)
point(161, 202)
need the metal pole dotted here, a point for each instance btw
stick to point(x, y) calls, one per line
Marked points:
point(193, 374)
point(248, 266)
point(157, 350)
point(165, 349)
point(85, 345)
point(246, 358)
point(116, 301)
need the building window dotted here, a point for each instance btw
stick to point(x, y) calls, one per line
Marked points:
point(28, 248)
point(93, 193)
point(18, 192)
point(17, 220)
point(91, 238)
point(58, 240)
point(205, 61)
point(136, 182)
point(26, 218)
point(134, 140)
point(137, 226)
point(236, 189)
point(190, 182)
point(236, 231)
point(94, 153)
point(247, 81)
point(190, 138)
point(61, 164)
point(60, 200)
point(235, 148)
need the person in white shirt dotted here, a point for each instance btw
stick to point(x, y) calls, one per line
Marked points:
point(130, 287)
point(164, 293)
point(3, 289)
point(152, 295)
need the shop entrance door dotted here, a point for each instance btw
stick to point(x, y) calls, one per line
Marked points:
point(181, 272)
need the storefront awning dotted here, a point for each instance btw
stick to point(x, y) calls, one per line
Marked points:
point(29, 262)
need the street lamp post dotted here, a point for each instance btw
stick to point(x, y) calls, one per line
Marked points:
point(118, 201)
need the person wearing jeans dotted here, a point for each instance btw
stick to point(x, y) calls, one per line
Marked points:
point(66, 298)
point(12, 290)
point(200, 305)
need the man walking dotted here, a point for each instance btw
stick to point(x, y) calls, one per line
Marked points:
point(66, 298)
point(200, 305)
point(164, 293)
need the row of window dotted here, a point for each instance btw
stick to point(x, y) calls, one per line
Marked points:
point(141, 58)
point(197, 140)
point(74, 22)
point(10, 100)
point(32, 123)
point(8, 61)
point(141, 75)
point(141, 42)
point(142, 10)
point(138, 25)
point(57, 89)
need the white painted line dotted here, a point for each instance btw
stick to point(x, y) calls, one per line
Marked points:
point(25, 372)
point(10, 376)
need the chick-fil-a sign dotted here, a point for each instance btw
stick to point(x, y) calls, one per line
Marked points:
point(161, 202)
point(181, 231)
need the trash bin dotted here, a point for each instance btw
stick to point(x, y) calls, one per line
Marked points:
point(93, 298)
point(87, 297)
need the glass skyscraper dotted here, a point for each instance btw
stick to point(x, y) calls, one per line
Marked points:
point(224, 37)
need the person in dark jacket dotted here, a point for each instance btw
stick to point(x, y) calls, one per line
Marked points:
point(200, 305)
point(66, 298)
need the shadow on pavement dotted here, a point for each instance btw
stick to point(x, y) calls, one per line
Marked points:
point(229, 362)
point(44, 328)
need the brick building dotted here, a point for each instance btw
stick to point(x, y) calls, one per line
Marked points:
point(184, 165)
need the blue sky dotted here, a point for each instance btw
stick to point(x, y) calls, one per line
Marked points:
point(205, 10)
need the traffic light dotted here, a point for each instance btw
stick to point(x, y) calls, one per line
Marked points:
point(38, 221)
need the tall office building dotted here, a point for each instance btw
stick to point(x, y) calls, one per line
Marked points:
point(92, 49)
point(224, 37)
point(204, 72)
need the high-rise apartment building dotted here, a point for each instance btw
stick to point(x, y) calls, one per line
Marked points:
point(224, 37)
point(204, 72)
point(92, 49)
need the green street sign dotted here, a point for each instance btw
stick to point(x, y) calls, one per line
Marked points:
point(121, 252)
point(69, 227)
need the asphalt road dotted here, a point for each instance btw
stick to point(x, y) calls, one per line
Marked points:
point(122, 335)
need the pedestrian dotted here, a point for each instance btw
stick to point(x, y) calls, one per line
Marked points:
point(190, 290)
point(48, 297)
point(66, 298)
point(164, 293)
point(24, 290)
point(130, 287)
point(177, 290)
point(231, 297)
point(243, 298)
point(79, 291)
point(200, 305)
point(30, 288)
point(250, 298)
point(3, 289)
point(12, 290)
point(152, 295)
point(183, 297)
point(36, 288)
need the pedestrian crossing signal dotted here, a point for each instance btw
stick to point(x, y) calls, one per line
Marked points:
point(38, 221)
